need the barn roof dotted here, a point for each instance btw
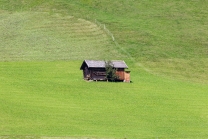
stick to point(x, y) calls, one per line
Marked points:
point(101, 64)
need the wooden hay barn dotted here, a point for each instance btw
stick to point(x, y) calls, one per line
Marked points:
point(95, 70)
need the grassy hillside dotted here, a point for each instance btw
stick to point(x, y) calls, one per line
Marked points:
point(51, 99)
point(44, 42)
point(42, 36)
point(168, 38)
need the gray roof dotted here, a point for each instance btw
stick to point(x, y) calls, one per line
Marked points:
point(119, 64)
point(101, 64)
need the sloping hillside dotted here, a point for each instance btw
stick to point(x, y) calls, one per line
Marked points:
point(33, 36)
point(167, 38)
point(44, 42)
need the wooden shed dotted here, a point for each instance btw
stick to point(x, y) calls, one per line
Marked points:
point(95, 70)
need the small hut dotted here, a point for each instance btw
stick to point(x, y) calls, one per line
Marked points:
point(95, 70)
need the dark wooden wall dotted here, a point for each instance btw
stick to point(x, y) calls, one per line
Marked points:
point(98, 73)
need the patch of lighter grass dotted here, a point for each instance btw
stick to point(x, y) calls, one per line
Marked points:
point(47, 137)
point(27, 36)
point(73, 138)
point(193, 70)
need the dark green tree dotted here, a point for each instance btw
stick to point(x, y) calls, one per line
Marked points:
point(110, 71)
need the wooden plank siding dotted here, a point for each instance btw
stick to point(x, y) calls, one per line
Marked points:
point(98, 74)
point(120, 75)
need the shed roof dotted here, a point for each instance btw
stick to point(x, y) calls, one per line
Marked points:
point(101, 64)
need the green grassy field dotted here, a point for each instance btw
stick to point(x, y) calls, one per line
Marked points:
point(51, 99)
point(43, 43)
